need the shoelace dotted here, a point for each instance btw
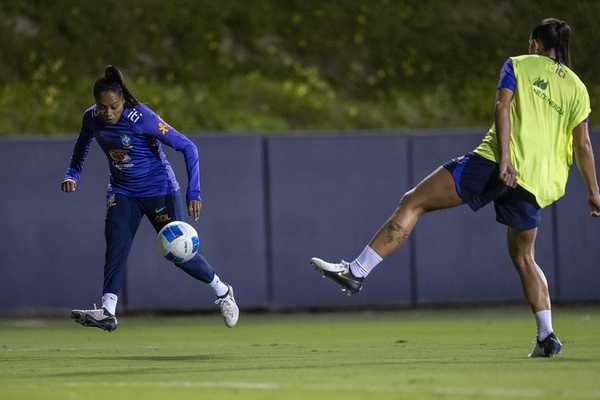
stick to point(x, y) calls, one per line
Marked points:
point(226, 303)
point(96, 312)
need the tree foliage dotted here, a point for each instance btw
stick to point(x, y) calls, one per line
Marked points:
point(273, 65)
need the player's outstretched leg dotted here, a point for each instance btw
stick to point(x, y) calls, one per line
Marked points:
point(521, 247)
point(437, 191)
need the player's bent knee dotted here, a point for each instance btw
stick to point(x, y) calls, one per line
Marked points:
point(410, 201)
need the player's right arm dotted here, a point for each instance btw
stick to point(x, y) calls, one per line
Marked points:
point(80, 152)
point(507, 172)
point(506, 88)
point(584, 157)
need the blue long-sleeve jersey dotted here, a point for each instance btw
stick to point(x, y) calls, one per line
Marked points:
point(138, 165)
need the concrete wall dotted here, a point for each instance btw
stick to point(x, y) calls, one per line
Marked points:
point(271, 204)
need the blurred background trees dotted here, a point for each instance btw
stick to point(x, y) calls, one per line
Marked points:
point(275, 65)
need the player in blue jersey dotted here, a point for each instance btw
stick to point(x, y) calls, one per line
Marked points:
point(142, 182)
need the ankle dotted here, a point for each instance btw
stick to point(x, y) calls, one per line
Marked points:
point(365, 262)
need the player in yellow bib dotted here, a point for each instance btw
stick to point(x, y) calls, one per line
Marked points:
point(522, 165)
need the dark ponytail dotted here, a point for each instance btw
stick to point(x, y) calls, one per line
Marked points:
point(113, 81)
point(554, 34)
point(564, 37)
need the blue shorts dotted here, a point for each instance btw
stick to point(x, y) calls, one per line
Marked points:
point(477, 184)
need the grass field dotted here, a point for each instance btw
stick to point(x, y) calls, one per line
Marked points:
point(459, 354)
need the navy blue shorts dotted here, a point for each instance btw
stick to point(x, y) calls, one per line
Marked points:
point(477, 183)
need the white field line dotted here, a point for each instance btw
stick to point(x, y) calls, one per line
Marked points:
point(457, 391)
point(28, 323)
point(405, 389)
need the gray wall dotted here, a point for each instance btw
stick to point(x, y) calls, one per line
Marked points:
point(328, 195)
point(270, 204)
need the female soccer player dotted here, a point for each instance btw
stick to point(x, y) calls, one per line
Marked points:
point(142, 182)
point(541, 117)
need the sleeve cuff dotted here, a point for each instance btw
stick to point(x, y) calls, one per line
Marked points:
point(70, 176)
point(193, 196)
point(507, 77)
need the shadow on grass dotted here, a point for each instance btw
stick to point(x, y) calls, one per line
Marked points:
point(119, 372)
point(207, 367)
point(187, 357)
point(135, 371)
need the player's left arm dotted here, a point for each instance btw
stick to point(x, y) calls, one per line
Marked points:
point(584, 157)
point(179, 142)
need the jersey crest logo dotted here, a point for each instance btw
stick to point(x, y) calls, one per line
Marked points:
point(164, 128)
point(542, 84)
point(126, 142)
point(121, 160)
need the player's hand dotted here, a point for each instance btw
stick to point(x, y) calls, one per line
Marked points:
point(194, 207)
point(68, 186)
point(594, 202)
point(508, 174)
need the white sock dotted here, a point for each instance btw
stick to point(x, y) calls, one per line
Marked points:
point(544, 324)
point(219, 287)
point(365, 262)
point(109, 301)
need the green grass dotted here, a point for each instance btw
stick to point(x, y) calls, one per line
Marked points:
point(385, 355)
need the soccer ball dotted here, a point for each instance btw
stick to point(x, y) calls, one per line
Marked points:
point(178, 242)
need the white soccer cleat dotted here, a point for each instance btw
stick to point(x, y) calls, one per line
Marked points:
point(343, 266)
point(339, 273)
point(229, 308)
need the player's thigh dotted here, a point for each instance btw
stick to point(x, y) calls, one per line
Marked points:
point(436, 191)
point(162, 210)
point(123, 216)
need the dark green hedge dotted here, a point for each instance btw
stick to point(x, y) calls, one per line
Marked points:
point(275, 65)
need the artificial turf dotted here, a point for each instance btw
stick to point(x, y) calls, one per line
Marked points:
point(449, 354)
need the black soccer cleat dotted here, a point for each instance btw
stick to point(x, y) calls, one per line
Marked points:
point(339, 273)
point(549, 347)
point(97, 318)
